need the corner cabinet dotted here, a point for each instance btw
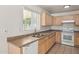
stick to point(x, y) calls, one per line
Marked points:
point(46, 19)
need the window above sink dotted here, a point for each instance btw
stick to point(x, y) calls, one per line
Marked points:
point(30, 19)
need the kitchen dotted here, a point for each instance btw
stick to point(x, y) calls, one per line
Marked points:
point(47, 29)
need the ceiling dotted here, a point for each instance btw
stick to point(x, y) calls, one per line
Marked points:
point(59, 8)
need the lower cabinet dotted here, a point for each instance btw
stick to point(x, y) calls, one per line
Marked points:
point(46, 43)
point(42, 48)
point(58, 37)
point(76, 39)
point(13, 49)
point(42, 45)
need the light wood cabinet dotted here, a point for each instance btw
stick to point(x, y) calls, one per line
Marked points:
point(57, 20)
point(50, 20)
point(41, 49)
point(76, 39)
point(69, 17)
point(58, 37)
point(13, 49)
point(42, 45)
point(46, 43)
point(76, 18)
point(46, 19)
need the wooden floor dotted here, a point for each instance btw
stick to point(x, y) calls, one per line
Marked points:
point(63, 49)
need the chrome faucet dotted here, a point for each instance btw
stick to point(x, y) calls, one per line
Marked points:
point(34, 32)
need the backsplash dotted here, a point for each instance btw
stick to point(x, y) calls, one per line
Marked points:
point(76, 28)
point(45, 28)
point(56, 27)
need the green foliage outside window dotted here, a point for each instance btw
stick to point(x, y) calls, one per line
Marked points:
point(27, 19)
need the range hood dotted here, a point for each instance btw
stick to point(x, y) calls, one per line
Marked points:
point(68, 21)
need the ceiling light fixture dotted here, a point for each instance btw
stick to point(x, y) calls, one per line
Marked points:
point(67, 6)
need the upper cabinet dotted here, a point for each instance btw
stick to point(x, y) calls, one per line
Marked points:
point(50, 20)
point(70, 17)
point(57, 20)
point(76, 18)
point(46, 19)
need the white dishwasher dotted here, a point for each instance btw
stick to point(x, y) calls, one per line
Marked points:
point(31, 48)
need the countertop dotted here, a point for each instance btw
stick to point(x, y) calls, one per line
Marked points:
point(21, 41)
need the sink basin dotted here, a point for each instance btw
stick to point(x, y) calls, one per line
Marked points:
point(38, 35)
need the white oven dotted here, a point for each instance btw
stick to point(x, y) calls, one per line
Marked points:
point(68, 38)
point(68, 33)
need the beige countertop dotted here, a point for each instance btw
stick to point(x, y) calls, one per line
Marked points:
point(21, 41)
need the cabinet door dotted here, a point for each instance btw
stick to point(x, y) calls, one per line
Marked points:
point(44, 21)
point(76, 18)
point(76, 38)
point(47, 44)
point(13, 49)
point(31, 48)
point(70, 17)
point(42, 48)
point(52, 40)
point(57, 20)
point(42, 45)
point(50, 20)
point(58, 37)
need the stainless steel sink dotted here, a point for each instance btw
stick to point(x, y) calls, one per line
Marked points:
point(38, 35)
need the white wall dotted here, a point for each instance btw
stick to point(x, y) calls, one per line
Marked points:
point(10, 24)
point(15, 20)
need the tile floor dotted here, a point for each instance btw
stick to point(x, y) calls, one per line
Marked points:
point(63, 49)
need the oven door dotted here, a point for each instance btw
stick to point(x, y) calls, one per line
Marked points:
point(68, 36)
